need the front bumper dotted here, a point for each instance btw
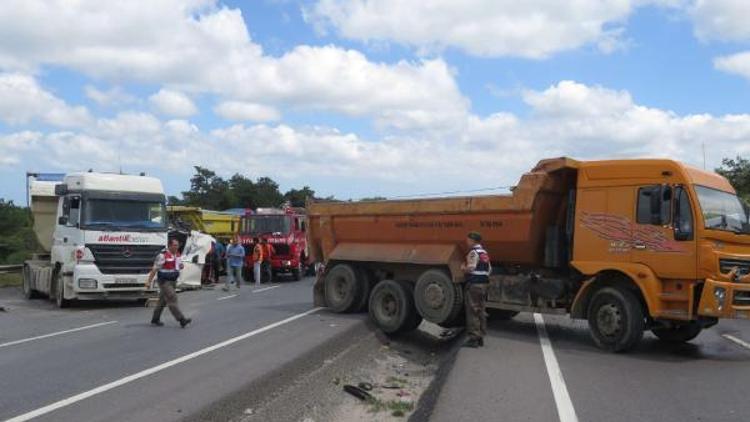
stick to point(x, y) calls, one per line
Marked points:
point(284, 265)
point(725, 299)
point(109, 286)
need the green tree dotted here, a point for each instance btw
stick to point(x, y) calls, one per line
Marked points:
point(298, 197)
point(267, 193)
point(243, 190)
point(737, 171)
point(209, 191)
point(17, 238)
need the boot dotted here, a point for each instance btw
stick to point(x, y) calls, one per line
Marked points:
point(185, 321)
point(481, 341)
point(156, 323)
point(472, 342)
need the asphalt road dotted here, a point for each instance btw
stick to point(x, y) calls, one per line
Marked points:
point(104, 362)
point(511, 379)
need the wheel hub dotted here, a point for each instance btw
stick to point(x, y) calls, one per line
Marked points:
point(390, 307)
point(609, 320)
point(434, 296)
point(342, 288)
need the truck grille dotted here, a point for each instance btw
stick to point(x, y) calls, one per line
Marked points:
point(726, 265)
point(741, 298)
point(125, 259)
point(281, 249)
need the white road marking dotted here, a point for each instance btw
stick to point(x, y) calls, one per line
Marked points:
point(264, 289)
point(737, 341)
point(226, 297)
point(146, 372)
point(565, 409)
point(58, 333)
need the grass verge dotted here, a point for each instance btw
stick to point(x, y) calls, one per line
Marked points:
point(10, 279)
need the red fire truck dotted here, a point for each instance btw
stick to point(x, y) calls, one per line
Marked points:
point(285, 230)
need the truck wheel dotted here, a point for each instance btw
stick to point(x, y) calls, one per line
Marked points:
point(60, 293)
point(616, 319)
point(28, 292)
point(343, 289)
point(501, 314)
point(297, 272)
point(437, 297)
point(679, 334)
point(392, 307)
point(366, 282)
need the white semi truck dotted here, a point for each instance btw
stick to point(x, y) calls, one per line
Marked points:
point(101, 233)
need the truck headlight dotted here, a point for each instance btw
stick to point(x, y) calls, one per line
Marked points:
point(720, 294)
point(87, 283)
point(288, 263)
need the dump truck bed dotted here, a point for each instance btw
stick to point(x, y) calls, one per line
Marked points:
point(513, 226)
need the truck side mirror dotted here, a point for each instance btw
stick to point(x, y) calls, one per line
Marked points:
point(62, 220)
point(61, 189)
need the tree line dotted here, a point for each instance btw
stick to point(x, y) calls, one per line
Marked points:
point(210, 191)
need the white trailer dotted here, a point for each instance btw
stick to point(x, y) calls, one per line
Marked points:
point(101, 233)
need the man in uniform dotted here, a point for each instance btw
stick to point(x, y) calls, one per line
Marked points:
point(477, 269)
point(167, 269)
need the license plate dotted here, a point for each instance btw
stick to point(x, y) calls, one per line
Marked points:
point(125, 281)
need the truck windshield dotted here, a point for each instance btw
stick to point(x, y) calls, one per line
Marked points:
point(722, 210)
point(261, 224)
point(114, 214)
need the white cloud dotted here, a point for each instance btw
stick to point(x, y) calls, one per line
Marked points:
point(531, 28)
point(567, 118)
point(738, 64)
point(23, 101)
point(200, 47)
point(173, 103)
point(723, 20)
point(114, 96)
point(244, 111)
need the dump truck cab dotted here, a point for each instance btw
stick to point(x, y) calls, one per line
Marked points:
point(679, 233)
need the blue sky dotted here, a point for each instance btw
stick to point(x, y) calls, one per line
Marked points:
point(362, 98)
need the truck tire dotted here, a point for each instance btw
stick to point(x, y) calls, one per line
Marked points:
point(28, 292)
point(343, 288)
point(438, 299)
point(679, 334)
point(297, 272)
point(500, 314)
point(59, 293)
point(616, 319)
point(366, 283)
point(392, 308)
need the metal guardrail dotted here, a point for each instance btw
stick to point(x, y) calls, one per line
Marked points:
point(11, 268)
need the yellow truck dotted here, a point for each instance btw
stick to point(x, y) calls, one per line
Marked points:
point(629, 245)
point(221, 225)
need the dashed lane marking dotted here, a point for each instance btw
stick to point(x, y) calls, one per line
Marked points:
point(737, 341)
point(57, 333)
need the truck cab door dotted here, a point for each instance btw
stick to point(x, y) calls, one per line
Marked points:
point(663, 232)
point(67, 232)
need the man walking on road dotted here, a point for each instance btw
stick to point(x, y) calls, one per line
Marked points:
point(477, 269)
point(257, 260)
point(235, 262)
point(167, 270)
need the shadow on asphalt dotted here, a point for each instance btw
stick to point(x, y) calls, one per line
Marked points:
point(577, 339)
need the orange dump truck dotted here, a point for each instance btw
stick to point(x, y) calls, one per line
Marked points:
point(629, 245)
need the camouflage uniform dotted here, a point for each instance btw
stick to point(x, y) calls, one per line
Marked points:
point(478, 269)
